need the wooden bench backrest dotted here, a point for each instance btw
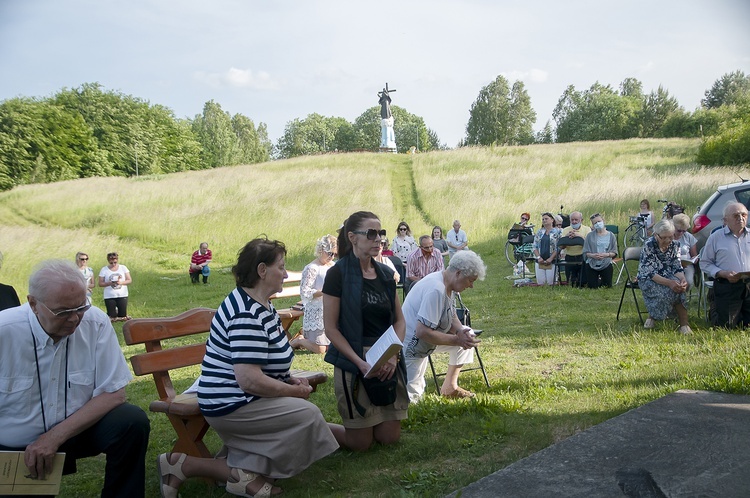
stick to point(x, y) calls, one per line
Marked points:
point(159, 361)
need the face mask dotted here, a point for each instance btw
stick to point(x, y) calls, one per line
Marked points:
point(599, 225)
point(575, 226)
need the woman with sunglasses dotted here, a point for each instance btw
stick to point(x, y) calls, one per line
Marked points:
point(359, 305)
point(311, 291)
point(403, 243)
point(115, 279)
point(82, 260)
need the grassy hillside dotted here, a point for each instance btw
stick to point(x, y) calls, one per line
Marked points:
point(557, 359)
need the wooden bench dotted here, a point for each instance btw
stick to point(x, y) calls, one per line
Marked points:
point(159, 359)
point(291, 289)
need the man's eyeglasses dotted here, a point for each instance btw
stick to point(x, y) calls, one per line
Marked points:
point(428, 248)
point(371, 233)
point(594, 216)
point(83, 259)
point(66, 313)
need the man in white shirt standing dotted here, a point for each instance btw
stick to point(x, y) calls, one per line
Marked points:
point(63, 379)
point(456, 239)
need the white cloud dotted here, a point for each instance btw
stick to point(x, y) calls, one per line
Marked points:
point(238, 78)
point(647, 67)
point(533, 75)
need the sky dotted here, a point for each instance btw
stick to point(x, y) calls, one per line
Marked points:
point(276, 61)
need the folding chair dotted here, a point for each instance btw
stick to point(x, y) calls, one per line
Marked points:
point(616, 261)
point(631, 254)
point(403, 284)
point(563, 263)
point(706, 284)
point(465, 318)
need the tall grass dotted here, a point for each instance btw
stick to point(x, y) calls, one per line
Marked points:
point(557, 359)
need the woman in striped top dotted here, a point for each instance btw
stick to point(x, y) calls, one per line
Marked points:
point(269, 429)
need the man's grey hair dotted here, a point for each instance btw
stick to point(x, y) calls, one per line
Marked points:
point(663, 226)
point(469, 263)
point(729, 206)
point(54, 270)
point(580, 214)
point(423, 238)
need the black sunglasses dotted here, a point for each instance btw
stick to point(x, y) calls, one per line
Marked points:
point(371, 234)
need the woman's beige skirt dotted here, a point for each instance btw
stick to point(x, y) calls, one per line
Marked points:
point(373, 415)
point(274, 437)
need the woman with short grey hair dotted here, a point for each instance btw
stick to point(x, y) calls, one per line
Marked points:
point(468, 263)
point(688, 246)
point(432, 325)
point(662, 279)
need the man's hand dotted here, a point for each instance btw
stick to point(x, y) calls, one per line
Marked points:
point(40, 455)
point(732, 276)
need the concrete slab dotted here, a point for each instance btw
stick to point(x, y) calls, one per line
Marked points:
point(686, 444)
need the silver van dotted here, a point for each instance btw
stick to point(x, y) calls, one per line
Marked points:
point(710, 214)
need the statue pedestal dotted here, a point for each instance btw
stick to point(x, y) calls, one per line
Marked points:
point(387, 137)
point(391, 150)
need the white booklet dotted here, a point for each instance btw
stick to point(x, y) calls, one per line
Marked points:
point(383, 350)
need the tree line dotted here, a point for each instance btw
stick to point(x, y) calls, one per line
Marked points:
point(87, 131)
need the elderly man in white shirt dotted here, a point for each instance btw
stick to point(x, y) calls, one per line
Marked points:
point(456, 239)
point(726, 257)
point(62, 384)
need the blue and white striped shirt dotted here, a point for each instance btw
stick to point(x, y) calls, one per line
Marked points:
point(242, 331)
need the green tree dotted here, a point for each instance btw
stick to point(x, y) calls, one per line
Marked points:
point(599, 113)
point(730, 146)
point(567, 115)
point(366, 129)
point(312, 135)
point(727, 90)
point(135, 136)
point(44, 142)
point(434, 140)
point(249, 148)
point(501, 115)
point(214, 132)
point(657, 108)
point(545, 135)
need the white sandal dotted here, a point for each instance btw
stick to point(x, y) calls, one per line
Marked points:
point(167, 469)
point(239, 488)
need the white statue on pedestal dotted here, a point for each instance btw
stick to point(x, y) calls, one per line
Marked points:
point(387, 137)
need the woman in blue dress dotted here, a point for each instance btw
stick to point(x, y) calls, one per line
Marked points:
point(662, 279)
